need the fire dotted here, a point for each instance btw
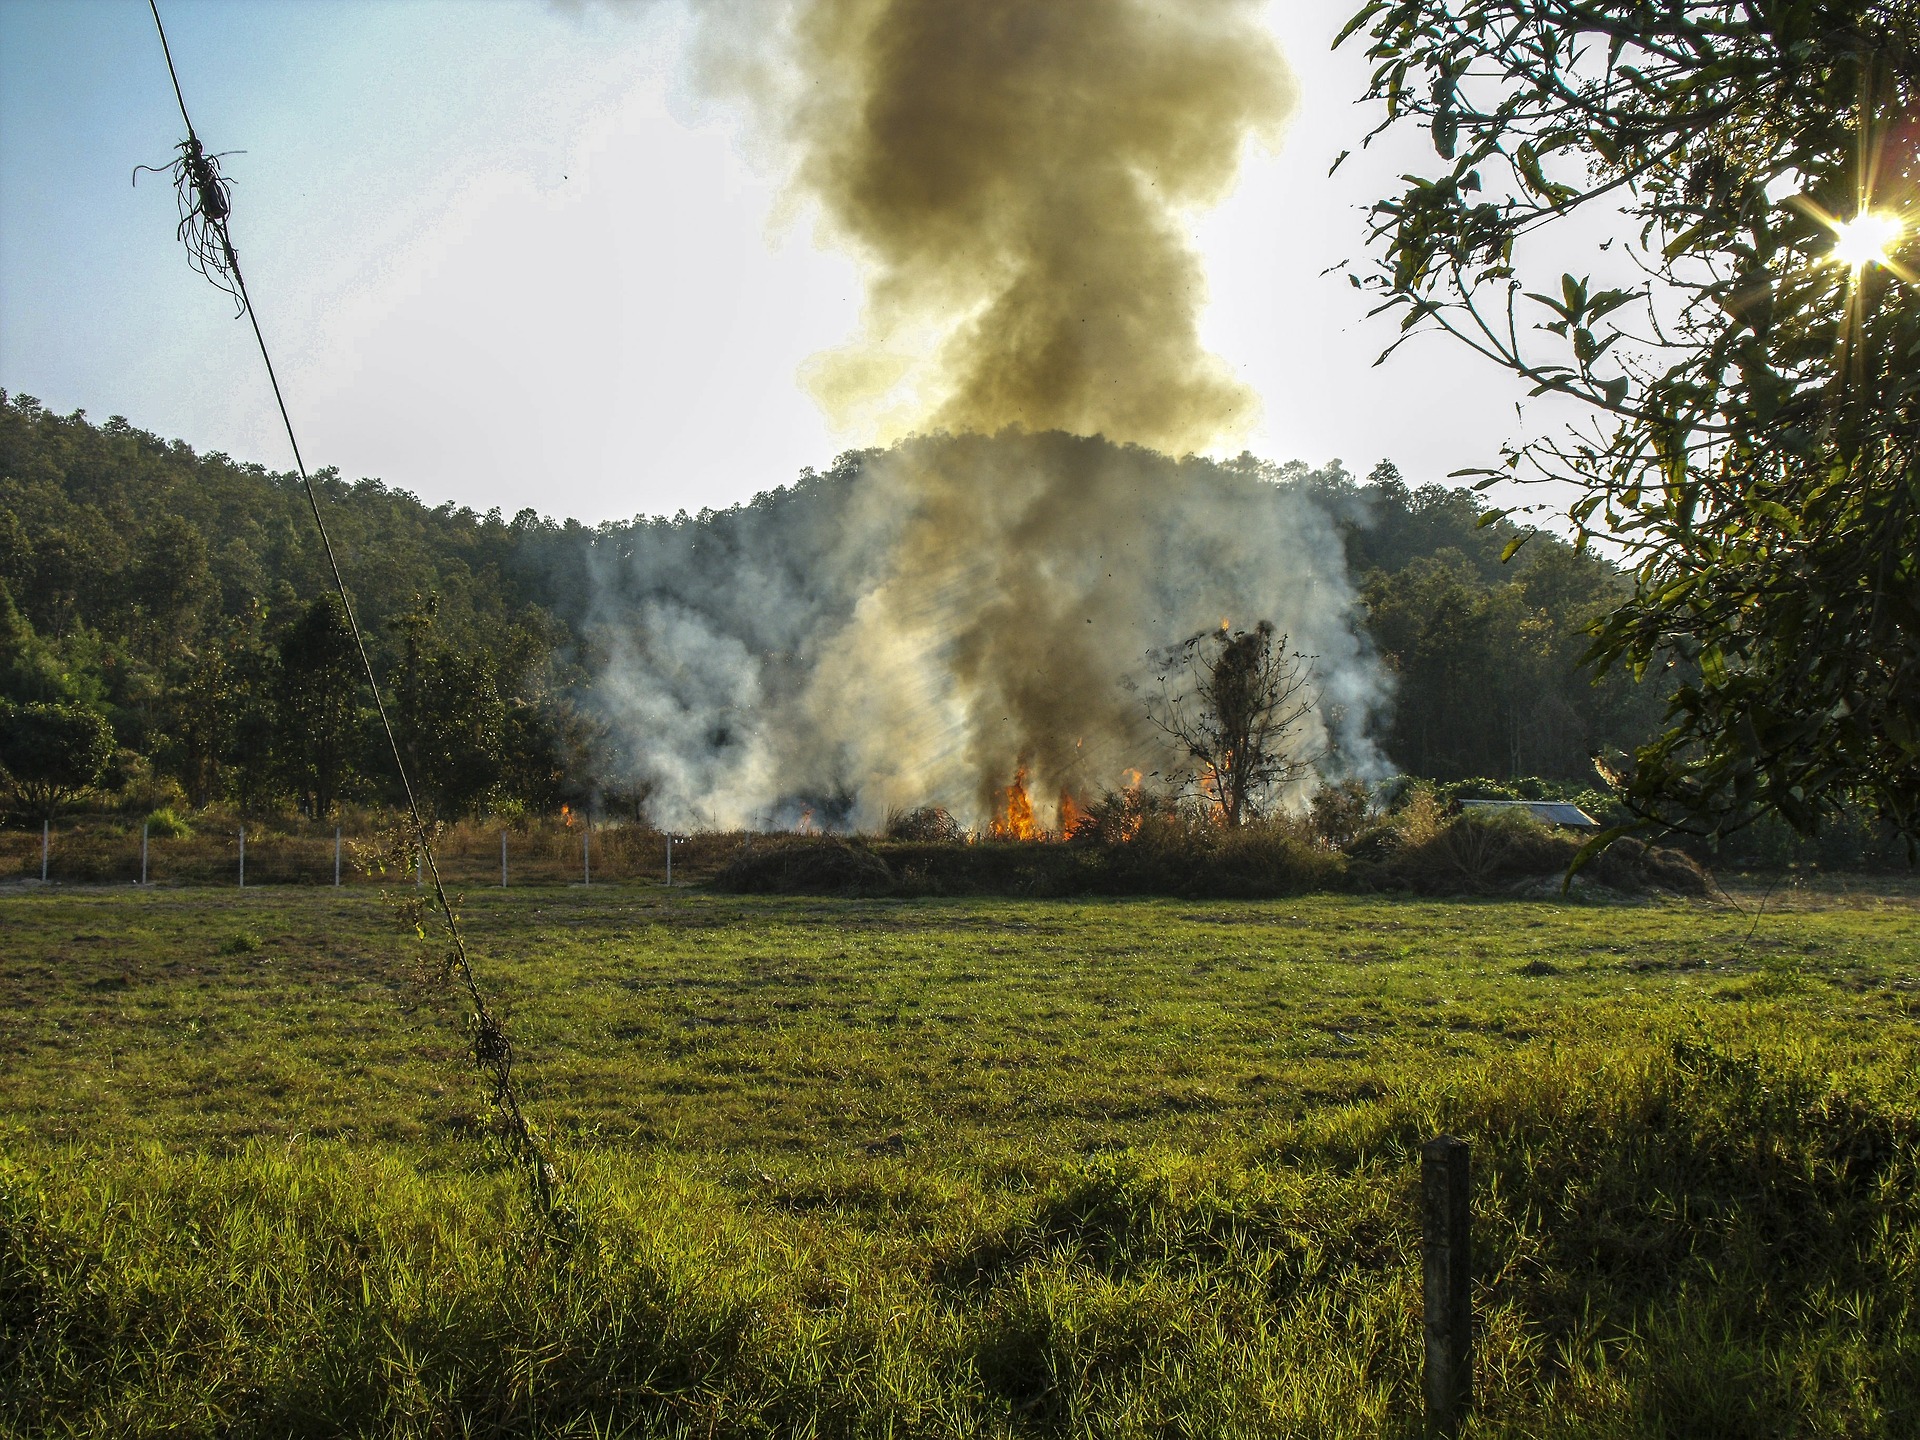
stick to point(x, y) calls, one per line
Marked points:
point(1133, 779)
point(1212, 789)
point(1015, 821)
point(1069, 814)
point(806, 825)
point(566, 816)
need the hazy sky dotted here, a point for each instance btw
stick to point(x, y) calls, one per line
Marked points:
point(508, 256)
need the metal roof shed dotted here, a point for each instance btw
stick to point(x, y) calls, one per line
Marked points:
point(1547, 812)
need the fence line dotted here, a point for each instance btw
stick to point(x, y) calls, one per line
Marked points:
point(104, 850)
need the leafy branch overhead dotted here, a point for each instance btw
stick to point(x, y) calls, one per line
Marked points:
point(1747, 342)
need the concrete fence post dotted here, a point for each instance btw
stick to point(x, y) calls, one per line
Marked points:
point(143, 850)
point(1446, 1254)
point(586, 850)
point(243, 857)
point(46, 843)
point(336, 857)
point(503, 859)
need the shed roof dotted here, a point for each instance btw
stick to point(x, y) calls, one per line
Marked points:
point(1547, 812)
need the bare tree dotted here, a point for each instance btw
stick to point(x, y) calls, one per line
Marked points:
point(1234, 704)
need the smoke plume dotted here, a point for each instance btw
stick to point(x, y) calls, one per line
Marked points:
point(1014, 176)
point(979, 597)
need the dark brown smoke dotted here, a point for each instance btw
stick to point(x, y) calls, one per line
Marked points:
point(1016, 177)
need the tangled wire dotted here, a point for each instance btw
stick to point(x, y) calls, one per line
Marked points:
point(205, 203)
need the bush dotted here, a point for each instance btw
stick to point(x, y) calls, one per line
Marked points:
point(1341, 812)
point(167, 824)
point(928, 825)
point(1181, 855)
point(1169, 854)
point(1483, 852)
point(806, 865)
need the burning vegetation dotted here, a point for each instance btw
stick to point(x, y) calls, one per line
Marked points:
point(968, 625)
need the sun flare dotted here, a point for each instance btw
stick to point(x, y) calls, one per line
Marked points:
point(1865, 239)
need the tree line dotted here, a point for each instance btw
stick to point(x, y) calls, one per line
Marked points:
point(168, 632)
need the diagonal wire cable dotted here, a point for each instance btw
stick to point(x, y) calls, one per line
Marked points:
point(492, 1050)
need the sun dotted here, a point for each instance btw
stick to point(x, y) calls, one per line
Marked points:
point(1865, 239)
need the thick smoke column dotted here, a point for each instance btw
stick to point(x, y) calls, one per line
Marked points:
point(1015, 177)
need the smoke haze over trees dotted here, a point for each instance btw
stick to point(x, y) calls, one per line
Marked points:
point(177, 597)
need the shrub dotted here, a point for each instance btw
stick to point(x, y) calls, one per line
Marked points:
point(805, 865)
point(1340, 812)
point(928, 825)
point(167, 824)
point(1116, 817)
point(1483, 852)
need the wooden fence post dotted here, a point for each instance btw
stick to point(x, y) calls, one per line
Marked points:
point(336, 857)
point(143, 851)
point(1446, 1254)
point(46, 828)
point(503, 859)
point(243, 857)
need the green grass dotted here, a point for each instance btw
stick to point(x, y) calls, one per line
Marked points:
point(957, 1167)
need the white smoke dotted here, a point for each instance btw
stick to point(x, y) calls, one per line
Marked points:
point(916, 627)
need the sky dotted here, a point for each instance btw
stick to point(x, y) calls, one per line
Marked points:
point(507, 255)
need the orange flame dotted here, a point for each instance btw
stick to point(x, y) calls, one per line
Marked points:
point(566, 816)
point(806, 825)
point(1133, 779)
point(1069, 814)
point(1015, 821)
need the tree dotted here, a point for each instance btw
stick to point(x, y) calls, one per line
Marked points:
point(1487, 680)
point(448, 717)
point(53, 751)
point(1234, 705)
point(1747, 364)
point(316, 716)
point(202, 700)
point(254, 779)
point(169, 579)
point(29, 671)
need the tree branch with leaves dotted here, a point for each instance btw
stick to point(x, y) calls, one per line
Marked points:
point(1751, 368)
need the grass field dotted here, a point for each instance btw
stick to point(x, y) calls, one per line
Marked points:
point(993, 1167)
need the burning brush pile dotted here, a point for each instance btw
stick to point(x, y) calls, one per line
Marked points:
point(1137, 842)
point(1147, 841)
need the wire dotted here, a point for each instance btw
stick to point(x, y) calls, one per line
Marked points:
point(492, 1050)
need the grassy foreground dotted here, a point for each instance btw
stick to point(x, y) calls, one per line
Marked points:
point(957, 1167)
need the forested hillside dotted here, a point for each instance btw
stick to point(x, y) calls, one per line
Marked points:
point(170, 615)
